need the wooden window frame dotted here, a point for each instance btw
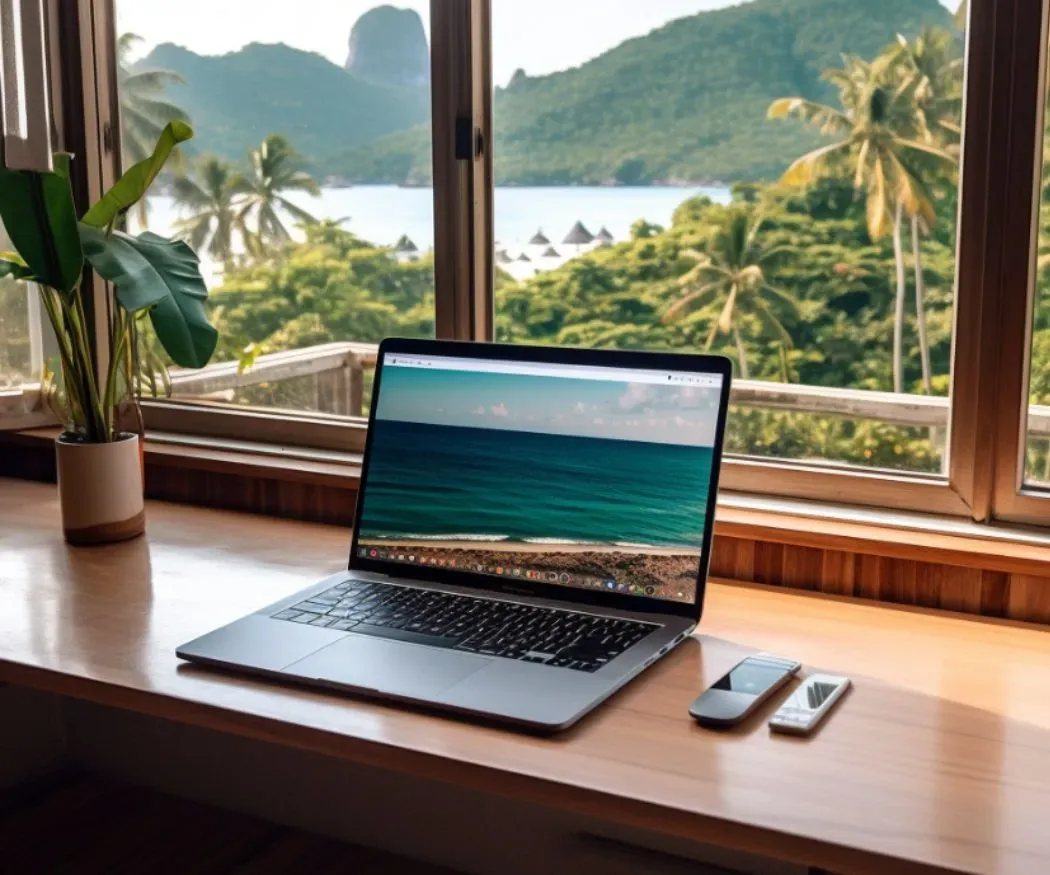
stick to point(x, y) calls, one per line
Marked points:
point(1004, 88)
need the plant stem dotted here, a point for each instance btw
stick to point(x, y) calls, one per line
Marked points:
point(56, 317)
point(94, 415)
point(118, 340)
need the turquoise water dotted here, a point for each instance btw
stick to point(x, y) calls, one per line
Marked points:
point(452, 483)
point(382, 213)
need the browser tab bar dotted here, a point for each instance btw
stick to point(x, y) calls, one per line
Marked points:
point(552, 369)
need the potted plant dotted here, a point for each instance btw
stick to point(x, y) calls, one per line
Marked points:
point(155, 280)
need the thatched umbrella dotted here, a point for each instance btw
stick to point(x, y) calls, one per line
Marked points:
point(502, 257)
point(604, 236)
point(550, 252)
point(405, 244)
point(578, 235)
point(539, 239)
point(523, 257)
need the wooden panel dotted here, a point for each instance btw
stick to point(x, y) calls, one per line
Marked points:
point(838, 572)
point(279, 498)
point(801, 568)
point(995, 597)
point(1029, 598)
point(943, 735)
point(959, 588)
point(769, 562)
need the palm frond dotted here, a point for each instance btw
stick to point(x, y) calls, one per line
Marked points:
point(725, 318)
point(766, 315)
point(807, 169)
point(149, 80)
point(296, 212)
point(876, 212)
point(689, 301)
point(826, 118)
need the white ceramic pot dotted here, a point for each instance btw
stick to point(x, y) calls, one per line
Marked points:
point(100, 490)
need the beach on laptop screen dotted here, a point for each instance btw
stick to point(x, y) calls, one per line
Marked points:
point(588, 477)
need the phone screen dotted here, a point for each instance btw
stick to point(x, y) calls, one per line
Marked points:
point(753, 676)
point(811, 695)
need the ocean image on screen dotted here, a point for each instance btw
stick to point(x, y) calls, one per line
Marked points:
point(581, 482)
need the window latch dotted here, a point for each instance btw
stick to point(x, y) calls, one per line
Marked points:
point(468, 140)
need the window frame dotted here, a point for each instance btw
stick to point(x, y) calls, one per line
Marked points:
point(985, 452)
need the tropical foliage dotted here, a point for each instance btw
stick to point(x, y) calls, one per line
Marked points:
point(153, 278)
point(840, 273)
point(231, 214)
point(144, 108)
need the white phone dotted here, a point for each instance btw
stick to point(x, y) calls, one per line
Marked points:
point(803, 710)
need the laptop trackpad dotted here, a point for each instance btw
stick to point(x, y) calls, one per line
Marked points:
point(388, 666)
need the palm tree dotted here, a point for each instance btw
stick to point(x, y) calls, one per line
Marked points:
point(730, 279)
point(209, 193)
point(143, 110)
point(875, 131)
point(273, 173)
point(932, 67)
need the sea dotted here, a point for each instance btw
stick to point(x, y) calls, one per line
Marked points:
point(382, 213)
point(454, 483)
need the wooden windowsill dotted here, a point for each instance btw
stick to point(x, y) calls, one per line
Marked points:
point(909, 536)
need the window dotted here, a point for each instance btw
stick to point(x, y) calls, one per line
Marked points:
point(778, 185)
point(315, 232)
point(25, 132)
point(22, 350)
point(660, 176)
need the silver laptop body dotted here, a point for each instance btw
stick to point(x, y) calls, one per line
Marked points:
point(545, 496)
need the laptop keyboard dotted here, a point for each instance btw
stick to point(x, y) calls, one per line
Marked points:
point(566, 639)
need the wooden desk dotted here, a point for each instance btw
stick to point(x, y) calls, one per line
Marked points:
point(940, 757)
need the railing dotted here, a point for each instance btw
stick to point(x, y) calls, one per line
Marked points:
point(340, 369)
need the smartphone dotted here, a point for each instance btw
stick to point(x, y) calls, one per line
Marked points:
point(803, 710)
point(730, 699)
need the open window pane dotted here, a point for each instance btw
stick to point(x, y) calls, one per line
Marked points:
point(26, 346)
point(19, 360)
point(312, 245)
point(775, 182)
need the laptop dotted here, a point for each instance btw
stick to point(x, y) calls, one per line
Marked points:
point(533, 530)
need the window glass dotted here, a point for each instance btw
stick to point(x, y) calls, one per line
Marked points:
point(21, 349)
point(774, 182)
point(1037, 455)
point(313, 233)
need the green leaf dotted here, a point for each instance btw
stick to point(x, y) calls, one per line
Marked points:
point(163, 276)
point(38, 213)
point(129, 189)
point(12, 268)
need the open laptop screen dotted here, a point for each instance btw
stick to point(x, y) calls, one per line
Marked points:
point(577, 475)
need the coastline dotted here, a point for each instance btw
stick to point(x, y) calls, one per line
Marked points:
point(663, 572)
point(526, 547)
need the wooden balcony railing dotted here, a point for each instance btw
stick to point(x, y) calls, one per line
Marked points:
point(340, 370)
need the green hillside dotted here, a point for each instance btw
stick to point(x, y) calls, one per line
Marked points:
point(235, 100)
point(684, 102)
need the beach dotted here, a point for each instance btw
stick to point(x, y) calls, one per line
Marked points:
point(671, 572)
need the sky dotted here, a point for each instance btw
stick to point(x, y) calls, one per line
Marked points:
point(540, 36)
point(649, 412)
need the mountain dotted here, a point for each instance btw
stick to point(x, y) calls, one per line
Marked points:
point(686, 102)
point(235, 100)
point(389, 46)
